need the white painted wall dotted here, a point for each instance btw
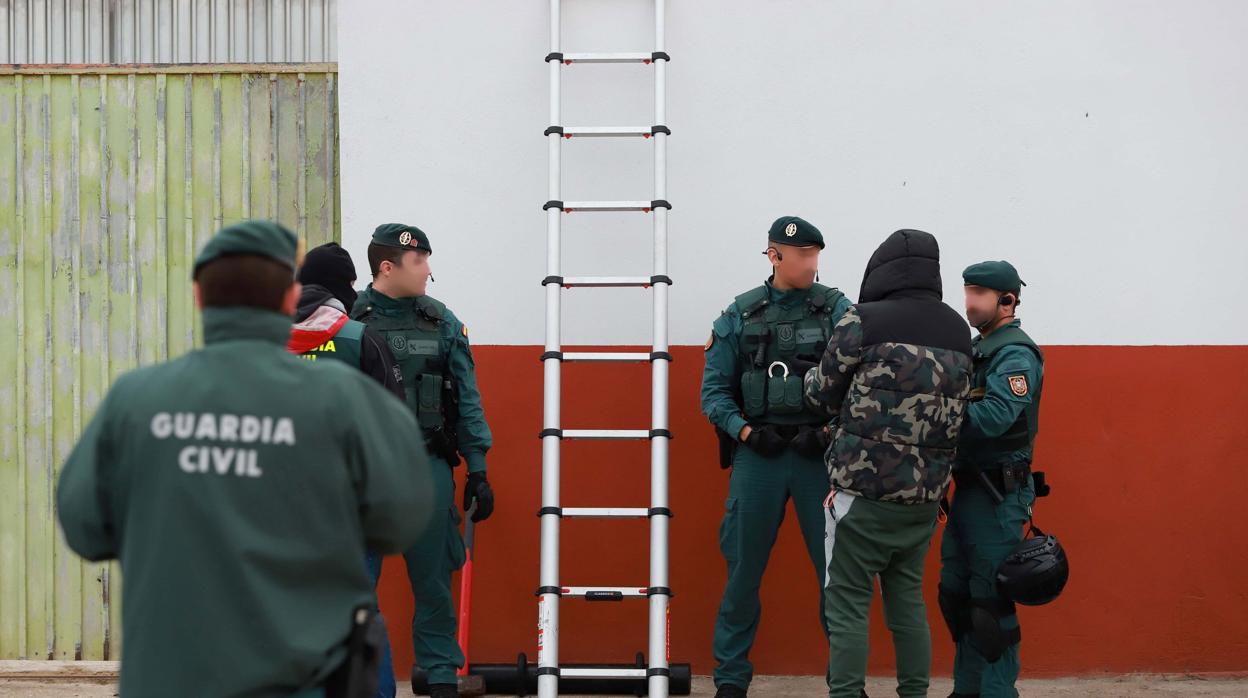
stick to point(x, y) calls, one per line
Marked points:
point(1101, 146)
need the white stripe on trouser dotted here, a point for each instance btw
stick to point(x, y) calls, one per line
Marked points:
point(835, 507)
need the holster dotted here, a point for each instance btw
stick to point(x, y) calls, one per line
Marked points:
point(357, 676)
point(444, 444)
point(727, 447)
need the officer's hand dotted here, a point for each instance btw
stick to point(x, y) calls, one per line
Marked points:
point(479, 489)
point(812, 443)
point(766, 441)
point(802, 363)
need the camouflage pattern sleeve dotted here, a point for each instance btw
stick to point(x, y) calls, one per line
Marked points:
point(1010, 387)
point(843, 304)
point(827, 383)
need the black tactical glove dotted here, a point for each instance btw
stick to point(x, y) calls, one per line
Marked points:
point(766, 440)
point(476, 487)
point(812, 443)
point(800, 364)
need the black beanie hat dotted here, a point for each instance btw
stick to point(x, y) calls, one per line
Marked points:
point(330, 266)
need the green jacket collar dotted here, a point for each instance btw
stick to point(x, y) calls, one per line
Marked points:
point(386, 304)
point(1010, 334)
point(785, 299)
point(245, 323)
point(1015, 323)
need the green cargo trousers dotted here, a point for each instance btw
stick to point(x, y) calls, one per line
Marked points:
point(978, 537)
point(437, 554)
point(758, 490)
point(866, 539)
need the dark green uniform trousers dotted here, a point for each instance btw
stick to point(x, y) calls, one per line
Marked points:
point(978, 537)
point(758, 490)
point(867, 539)
point(430, 563)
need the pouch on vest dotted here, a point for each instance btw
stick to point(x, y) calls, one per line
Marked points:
point(754, 393)
point(784, 391)
point(754, 342)
point(786, 338)
point(429, 405)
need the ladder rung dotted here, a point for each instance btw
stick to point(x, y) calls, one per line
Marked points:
point(605, 593)
point(590, 673)
point(643, 206)
point(604, 356)
point(605, 434)
point(606, 131)
point(607, 57)
point(605, 513)
point(606, 282)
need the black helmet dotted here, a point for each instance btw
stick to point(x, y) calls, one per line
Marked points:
point(1035, 572)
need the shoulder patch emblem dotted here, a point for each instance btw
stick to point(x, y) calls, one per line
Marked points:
point(710, 342)
point(1018, 385)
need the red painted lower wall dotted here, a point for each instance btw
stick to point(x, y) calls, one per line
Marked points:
point(1143, 446)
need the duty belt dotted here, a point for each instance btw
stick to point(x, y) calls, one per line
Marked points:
point(1005, 479)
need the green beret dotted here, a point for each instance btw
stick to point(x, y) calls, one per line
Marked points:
point(258, 238)
point(399, 235)
point(999, 276)
point(791, 230)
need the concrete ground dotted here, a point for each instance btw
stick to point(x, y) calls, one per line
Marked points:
point(793, 686)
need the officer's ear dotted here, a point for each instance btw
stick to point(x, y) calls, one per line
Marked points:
point(774, 255)
point(389, 265)
point(290, 301)
point(199, 301)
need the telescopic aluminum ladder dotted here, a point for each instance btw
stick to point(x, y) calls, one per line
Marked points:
point(658, 672)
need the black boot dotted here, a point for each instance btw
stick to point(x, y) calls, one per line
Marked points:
point(443, 690)
point(729, 691)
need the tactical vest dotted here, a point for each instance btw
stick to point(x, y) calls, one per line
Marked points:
point(344, 346)
point(771, 392)
point(1022, 433)
point(415, 339)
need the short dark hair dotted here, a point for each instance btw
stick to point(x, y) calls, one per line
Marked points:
point(385, 253)
point(248, 280)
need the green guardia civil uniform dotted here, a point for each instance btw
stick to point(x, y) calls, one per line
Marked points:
point(431, 348)
point(240, 500)
point(751, 376)
point(997, 438)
